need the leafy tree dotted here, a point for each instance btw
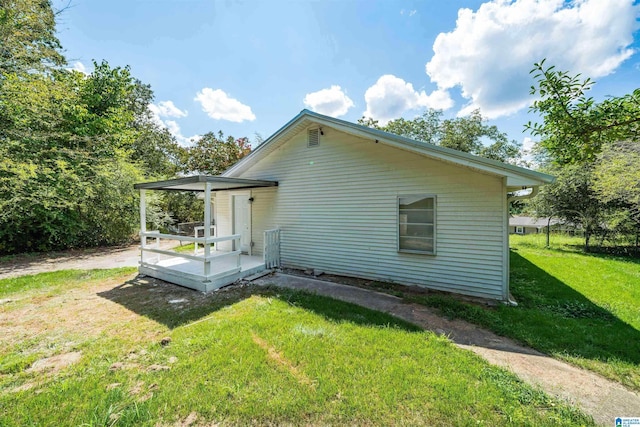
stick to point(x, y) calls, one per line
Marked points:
point(573, 198)
point(27, 37)
point(426, 128)
point(468, 134)
point(71, 145)
point(156, 151)
point(618, 174)
point(66, 178)
point(213, 154)
point(182, 206)
point(154, 148)
point(575, 127)
point(591, 146)
point(617, 179)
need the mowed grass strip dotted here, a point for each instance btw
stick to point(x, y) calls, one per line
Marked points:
point(579, 307)
point(54, 281)
point(263, 357)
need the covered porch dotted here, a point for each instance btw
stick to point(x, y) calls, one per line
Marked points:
point(216, 261)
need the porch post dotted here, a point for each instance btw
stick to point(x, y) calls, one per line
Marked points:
point(143, 211)
point(207, 226)
point(143, 223)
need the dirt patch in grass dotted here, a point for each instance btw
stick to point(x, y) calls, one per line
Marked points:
point(44, 328)
point(282, 361)
point(55, 363)
point(74, 312)
point(107, 306)
point(189, 421)
point(168, 304)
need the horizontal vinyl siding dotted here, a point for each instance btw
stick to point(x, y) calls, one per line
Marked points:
point(261, 219)
point(336, 207)
point(223, 219)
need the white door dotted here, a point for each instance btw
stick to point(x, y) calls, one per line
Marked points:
point(242, 221)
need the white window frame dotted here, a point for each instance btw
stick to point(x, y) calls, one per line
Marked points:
point(519, 229)
point(435, 223)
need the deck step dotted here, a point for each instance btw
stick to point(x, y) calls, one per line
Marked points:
point(257, 275)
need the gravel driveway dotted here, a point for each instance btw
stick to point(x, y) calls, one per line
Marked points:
point(85, 259)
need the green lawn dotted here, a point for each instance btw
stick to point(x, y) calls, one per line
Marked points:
point(188, 248)
point(242, 356)
point(582, 308)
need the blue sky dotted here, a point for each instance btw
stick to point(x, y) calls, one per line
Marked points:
point(247, 67)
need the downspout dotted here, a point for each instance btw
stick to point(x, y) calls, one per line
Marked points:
point(534, 190)
point(506, 295)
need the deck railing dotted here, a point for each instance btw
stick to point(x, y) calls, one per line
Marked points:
point(212, 265)
point(196, 233)
point(272, 248)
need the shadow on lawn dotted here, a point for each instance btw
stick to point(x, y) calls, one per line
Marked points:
point(555, 318)
point(335, 310)
point(170, 304)
point(173, 305)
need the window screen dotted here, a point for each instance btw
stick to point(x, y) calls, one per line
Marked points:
point(416, 224)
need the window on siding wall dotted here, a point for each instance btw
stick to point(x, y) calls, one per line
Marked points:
point(417, 224)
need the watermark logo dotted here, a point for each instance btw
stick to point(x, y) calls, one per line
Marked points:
point(627, 422)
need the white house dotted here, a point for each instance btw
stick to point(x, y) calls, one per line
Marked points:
point(529, 225)
point(346, 199)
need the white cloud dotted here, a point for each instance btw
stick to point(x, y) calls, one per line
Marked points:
point(409, 12)
point(490, 52)
point(332, 102)
point(155, 115)
point(167, 109)
point(218, 105)
point(174, 129)
point(79, 66)
point(390, 97)
point(527, 144)
point(527, 152)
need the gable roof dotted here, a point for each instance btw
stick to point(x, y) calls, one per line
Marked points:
point(517, 177)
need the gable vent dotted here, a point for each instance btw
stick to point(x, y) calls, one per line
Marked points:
point(313, 137)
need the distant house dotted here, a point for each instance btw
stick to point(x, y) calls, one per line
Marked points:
point(529, 225)
point(325, 194)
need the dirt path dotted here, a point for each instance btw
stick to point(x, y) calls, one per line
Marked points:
point(603, 399)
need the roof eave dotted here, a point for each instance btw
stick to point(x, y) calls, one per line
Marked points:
point(223, 183)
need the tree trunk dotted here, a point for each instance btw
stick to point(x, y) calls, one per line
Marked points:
point(587, 236)
point(604, 236)
point(548, 231)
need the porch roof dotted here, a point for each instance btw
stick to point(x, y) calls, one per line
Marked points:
point(197, 183)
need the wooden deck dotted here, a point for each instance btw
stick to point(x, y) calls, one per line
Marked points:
point(190, 273)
